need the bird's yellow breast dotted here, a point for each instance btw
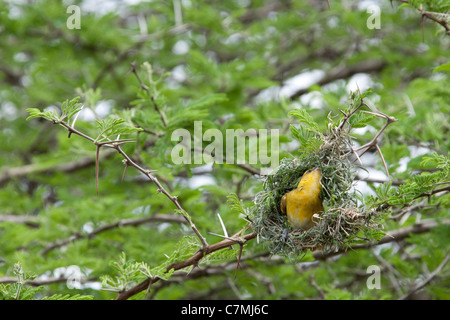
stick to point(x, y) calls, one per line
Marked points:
point(303, 202)
point(301, 206)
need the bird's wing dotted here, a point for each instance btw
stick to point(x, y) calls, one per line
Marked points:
point(283, 204)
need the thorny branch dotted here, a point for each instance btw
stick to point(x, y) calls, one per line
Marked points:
point(396, 235)
point(374, 141)
point(129, 162)
point(392, 236)
point(238, 238)
point(192, 261)
point(438, 17)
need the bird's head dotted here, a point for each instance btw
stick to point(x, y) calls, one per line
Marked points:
point(311, 178)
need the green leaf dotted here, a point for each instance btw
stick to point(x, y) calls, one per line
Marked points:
point(443, 67)
point(235, 203)
point(70, 108)
point(360, 119)
point(309, 142)
point(404, 5)
point(304, 117)
point(160, 272)
point(127, 272)
point(193, 111)
point(436, 160)
point(112, 127)
point(296, 133)
point(48, 115)
point(34, 113)
point(208, 100)
point(68, 297)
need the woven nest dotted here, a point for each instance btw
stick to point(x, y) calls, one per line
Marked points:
point(342, 223)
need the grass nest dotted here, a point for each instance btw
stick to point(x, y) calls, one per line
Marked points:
point(343, 223)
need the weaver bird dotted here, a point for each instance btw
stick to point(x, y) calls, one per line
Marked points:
point(302, 203)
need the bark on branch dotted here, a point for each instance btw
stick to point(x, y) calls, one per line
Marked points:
point(396, 235)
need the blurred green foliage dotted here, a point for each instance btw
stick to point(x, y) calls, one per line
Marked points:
point(158, 67)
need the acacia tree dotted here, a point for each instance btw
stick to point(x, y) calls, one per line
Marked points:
point(93, 204)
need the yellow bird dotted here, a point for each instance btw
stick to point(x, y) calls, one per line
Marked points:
point(302, 203)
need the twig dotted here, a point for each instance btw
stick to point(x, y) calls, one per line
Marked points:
point(146, 172)
point(220, 270)
point(374, 141)
point(348, 116)
point(241, 247)
point(243, 166)
point(17, 172)
point(42, 282)
point(345, 72)
point(124, 170)
point(109, 226)
point(442, 22)
point(432, 16)
point(392, 272)
point(150, 95)
point(430, 277)
point(428, 194)
point(382, 160)
point(161, 189)
point(122, 56)
point(408, 209)
point(75, 120)
point(97, 164)
point(223, 225)
point(375, 180)
point(192, 261)
point(26, 220)
point(316, 286)
point(395, 235)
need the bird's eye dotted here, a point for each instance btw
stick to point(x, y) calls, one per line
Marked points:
point(308, 171)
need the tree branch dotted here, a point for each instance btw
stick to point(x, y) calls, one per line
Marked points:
point(425, 282)
point(148, 173)
point(29, 221)
point(368, 66)
point(395, 235)
point(438, 17)
point(192, 261)
point(17, 172)
point(109, 226)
